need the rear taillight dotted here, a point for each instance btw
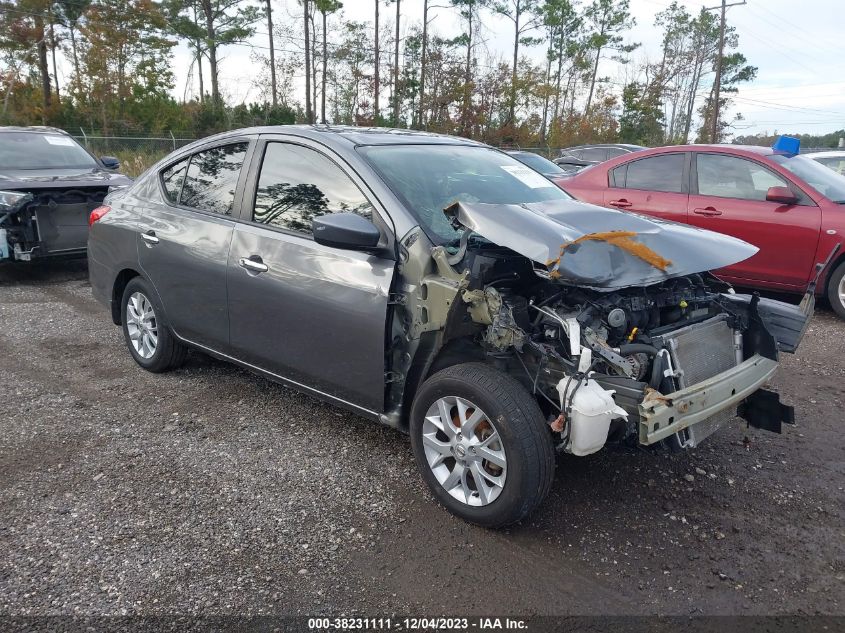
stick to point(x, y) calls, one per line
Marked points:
point(98, 213)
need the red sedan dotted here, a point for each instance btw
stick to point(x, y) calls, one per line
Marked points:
point(789, 206)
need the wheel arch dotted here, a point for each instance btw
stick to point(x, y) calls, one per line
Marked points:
point(831, 268)
point(429, 360)
point(119, 285)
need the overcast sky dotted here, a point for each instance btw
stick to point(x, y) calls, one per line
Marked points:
point(798, 47)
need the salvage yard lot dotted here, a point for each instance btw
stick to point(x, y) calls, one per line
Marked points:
point(210, 490)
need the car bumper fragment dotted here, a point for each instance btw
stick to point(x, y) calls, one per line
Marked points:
point(661, 417)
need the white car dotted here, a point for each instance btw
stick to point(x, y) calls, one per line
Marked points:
point(834, 159)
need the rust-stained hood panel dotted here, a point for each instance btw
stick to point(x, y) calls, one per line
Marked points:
point(539, 230)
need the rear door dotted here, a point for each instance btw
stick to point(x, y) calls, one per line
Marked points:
point(184, 242)
point(729, 196)
point(312, 314)
point(655, 185)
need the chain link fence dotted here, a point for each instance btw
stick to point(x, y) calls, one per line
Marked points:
point(135, 153)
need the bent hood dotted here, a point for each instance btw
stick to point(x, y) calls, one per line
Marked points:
point(588, 245)
point(61, 178)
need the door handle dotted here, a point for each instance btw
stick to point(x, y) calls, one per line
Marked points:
point(707, 211)
point(620, 204)
point(253, 264)
point(150, 237)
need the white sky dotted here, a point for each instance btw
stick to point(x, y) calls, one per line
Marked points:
point(798, 47)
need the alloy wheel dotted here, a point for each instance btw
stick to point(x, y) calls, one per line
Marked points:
point(841, 292)
point(464, 451)
point(141, 325)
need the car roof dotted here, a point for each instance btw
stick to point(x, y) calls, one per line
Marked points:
point(39, 129)
point(603, 145)
point(831, 154)
point(352, 135)
point(726, 148)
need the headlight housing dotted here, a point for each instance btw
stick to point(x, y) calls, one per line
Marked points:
point(13, 200)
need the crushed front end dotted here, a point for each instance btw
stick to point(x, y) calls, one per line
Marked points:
point(651, 350)
point(46, 222)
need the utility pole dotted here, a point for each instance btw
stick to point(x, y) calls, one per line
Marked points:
point(376, 73)
point(272, 54)
point(714, 130)
point(308, 116)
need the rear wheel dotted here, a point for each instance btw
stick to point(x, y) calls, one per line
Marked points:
point(148, 338)
point(836, 290)
point(481, 444)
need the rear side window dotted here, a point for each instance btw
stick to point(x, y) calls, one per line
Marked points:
point(212, 178)
point(298, 184)
point(657, 173)
point(595, 153)
point(172, 179)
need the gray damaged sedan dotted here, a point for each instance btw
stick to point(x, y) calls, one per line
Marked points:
point(440, 287)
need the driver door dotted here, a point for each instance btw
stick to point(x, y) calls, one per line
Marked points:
point(312, 314)
point(729, 196)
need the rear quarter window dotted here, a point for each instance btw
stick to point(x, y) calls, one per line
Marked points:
point(172, 179)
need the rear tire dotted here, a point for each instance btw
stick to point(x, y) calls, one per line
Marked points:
point(836, 290)
point(508, 447)
point(147, 335)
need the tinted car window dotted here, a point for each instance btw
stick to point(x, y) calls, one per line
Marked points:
point(734, 177)
point(613, 152)
point(596, 153)
point(172, 179)
point(212, 178)
point(32, 150)
point(657, 173)
point(836, 164)
point(298, 184)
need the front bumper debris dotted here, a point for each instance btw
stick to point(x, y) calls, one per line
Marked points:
point(665, 415)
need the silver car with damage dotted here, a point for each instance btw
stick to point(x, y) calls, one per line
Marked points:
point(443, 288)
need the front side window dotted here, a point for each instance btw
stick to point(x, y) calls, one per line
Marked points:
point(656, 173)
point(734, 177)
point(298, 184)
point(172, 179)
point(212, 178)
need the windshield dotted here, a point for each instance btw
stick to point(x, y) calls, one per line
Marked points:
point(28, 150)
point(826, 181)
point(432, 177)
point(535, 161)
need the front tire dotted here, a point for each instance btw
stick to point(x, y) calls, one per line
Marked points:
point(147, 335)
point(482, 445)
point(836, 290)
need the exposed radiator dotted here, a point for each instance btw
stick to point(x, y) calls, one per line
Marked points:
point(701, 351)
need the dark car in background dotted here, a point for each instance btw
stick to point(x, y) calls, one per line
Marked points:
point(576, 158)
point(443, 288)
point(49, 184)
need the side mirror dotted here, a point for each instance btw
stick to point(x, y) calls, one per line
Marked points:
point(110, 162)
point(781, 195)
point(345, 230)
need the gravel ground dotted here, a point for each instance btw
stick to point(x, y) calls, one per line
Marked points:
point(209, 490)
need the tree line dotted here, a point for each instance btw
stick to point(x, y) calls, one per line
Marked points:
point(551, 87)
